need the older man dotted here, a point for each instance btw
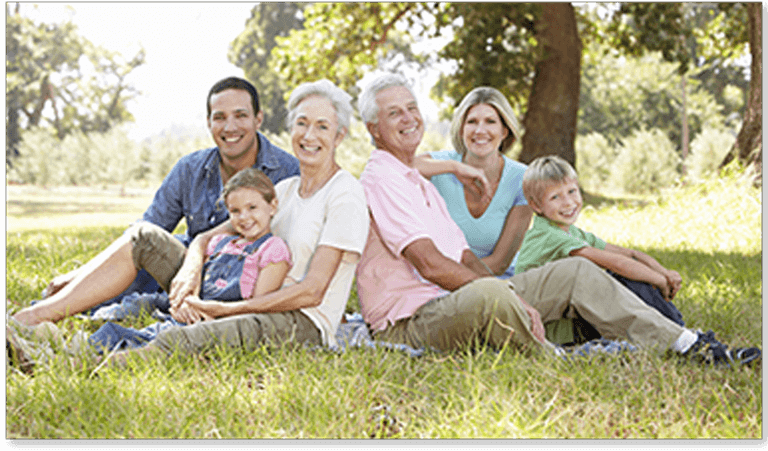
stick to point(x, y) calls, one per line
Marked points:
point(416, 254)
point(419, 283)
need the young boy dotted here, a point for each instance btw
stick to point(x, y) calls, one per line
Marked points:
point(551, 187)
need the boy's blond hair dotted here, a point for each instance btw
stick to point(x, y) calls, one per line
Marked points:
point(541, 173)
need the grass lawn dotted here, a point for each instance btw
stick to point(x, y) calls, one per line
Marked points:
point(711, 234)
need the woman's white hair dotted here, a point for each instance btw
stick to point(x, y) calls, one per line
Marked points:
point(366, 104)
point(340, 100)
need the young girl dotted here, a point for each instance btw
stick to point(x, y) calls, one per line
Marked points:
point(251, 263)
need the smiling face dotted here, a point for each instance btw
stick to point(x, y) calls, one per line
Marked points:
point(560, 202)
point(400, 127)
point(315, 132)
point(483, 131)
point(233, 125)
point(249, 213)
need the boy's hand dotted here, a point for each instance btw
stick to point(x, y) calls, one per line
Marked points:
point(674, 283)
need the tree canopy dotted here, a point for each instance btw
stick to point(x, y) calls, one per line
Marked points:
point(530, 51)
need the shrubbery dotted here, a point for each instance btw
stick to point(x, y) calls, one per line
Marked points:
point(112, 158)
point(708, 150)
point(647, 161)
point(644, 162)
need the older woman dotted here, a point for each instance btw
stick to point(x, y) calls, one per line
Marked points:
point(493, 219)
point(323, 217)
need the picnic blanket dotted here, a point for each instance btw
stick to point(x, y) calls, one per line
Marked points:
point(353, 333)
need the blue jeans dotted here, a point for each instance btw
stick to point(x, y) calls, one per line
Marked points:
point(651, 296)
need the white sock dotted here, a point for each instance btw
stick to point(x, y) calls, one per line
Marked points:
point(685, 341)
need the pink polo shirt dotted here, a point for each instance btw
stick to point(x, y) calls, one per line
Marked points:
point(404, 207)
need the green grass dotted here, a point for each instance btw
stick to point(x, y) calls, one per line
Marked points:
point(714, 241)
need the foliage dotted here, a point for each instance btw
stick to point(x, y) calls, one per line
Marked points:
point(620, 95)
point(367, 393)
point(594, 160)
point(637, 28)
point(505, 59)
point(721, 34)
point(86, 85)
point(646, 162)
point(370, 36)
point(97, 158)
point(252, 51)
point(707, 152)
point(344, 41)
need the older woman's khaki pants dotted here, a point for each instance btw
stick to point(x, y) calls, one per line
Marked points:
point(161, 254)
point(246, 332)
point(486, 310)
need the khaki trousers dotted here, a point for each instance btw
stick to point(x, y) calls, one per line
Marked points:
point(575, 284)
point(246, 332)
point(156, 251)
point(161, 254)
point(487, 310)
point(483, 311)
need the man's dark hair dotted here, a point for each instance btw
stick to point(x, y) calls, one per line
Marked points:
point(234, 83)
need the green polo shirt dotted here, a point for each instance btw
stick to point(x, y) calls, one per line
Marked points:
point(545, 242)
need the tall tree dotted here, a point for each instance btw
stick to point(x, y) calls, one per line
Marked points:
point(749, 142)
point(550, 122)
point(252, 51)
point(529, 51)
point(509, 46)
point(669, 27)
point(52, 65)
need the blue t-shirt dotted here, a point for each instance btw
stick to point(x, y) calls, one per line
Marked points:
point(482, 233)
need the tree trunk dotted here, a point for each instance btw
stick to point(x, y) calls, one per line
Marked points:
point(748, 148)
point(553, 106)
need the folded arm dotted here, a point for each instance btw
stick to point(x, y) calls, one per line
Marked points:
point(309, 292)
point(623, 262)
point(437, 268)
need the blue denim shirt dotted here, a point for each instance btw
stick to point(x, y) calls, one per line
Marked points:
point(193, 187)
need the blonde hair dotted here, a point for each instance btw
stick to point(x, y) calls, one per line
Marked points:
point(542, 172)
point(488, 96)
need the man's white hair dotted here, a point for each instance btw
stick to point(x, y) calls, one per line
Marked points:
point(366, 104)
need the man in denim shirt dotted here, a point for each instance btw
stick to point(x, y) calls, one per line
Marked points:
point(191, 190)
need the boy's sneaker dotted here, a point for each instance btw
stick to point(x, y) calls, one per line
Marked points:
point(708, 351)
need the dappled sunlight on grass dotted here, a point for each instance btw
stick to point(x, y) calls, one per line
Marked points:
point(711, 235)
point(719, 215)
